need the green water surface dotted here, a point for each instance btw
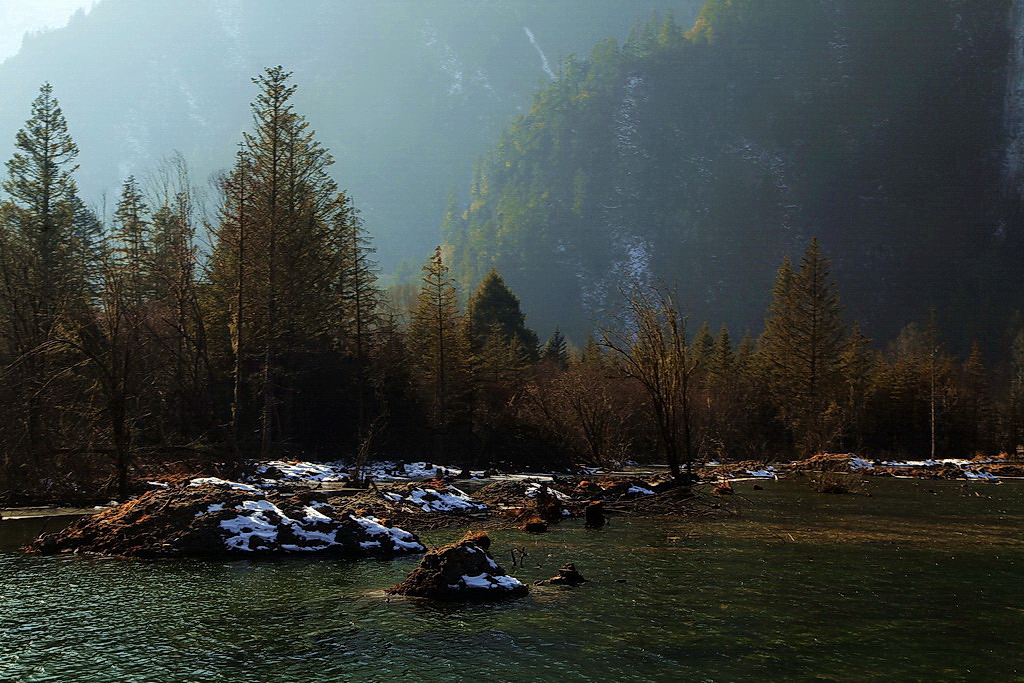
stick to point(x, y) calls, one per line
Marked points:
point(918, 581)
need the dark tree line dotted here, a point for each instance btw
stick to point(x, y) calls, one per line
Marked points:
point(128, 348)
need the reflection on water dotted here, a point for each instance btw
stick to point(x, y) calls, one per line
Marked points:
point(904, 584)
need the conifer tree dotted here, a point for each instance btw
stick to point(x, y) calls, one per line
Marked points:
point(556, 350)
point(1015, 399)
point(977, 405)
point(592, 353)
point(802, 347)
point(913, 390)
point(722, 357)
point(720, 386)
point(494, 310)
point(704, 343)
point(45, 263)
point(932, 352)
point(746, 354)
point(128, 248)
point(276, 256)
point(857, 365)
point(359, 298)
point(438, 346)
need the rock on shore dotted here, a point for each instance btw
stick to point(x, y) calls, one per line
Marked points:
point(213, 518)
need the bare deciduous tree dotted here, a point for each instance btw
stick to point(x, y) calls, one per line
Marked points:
point(648, 339)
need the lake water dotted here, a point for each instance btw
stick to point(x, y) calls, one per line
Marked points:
point(919, 581)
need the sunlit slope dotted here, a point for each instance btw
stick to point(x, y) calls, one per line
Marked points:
point(405, 93)
point(703, 155)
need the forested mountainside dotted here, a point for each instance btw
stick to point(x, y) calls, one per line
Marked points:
point(703, 154)
point(878, 141)
point(407, 94)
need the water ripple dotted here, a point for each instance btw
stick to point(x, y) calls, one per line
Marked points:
point(668, 601)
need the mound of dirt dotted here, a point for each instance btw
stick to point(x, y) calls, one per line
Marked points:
point(463, 570)
point(517, 494)
point(568, 575)
point(213, 518)
point(933, 472)
point(1006, 470)
point(823, 462)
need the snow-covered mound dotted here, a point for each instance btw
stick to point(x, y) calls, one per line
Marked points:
point(282, 470)
point(262, 526)
point(221, 518)
point(384, 471)
point(449, 499)
point(461, 571)
point(517, 493)
point(534, 488)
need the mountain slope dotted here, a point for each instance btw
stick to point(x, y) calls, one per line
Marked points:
point(703, 156)
point(406, 94)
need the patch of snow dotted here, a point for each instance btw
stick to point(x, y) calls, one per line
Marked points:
point(448, 61)
point(414, 470)
point(257, 528)
point(401, 538)
point(925, 463)
point(543, 59)
point(250, 532)
point(857, 463)
point(534, 488)
point(313, 515)
point(763, 473)
point(450, 500)
point(201, 481)
point(641, 490)
point(303, 471)
point(159, 484)
point(214, 507)
point(229, 15)
point(488, 581)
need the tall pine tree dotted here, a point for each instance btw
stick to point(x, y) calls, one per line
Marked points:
point(45, 264)
point(438, 348)
point(802, 347)
point(276, 258)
